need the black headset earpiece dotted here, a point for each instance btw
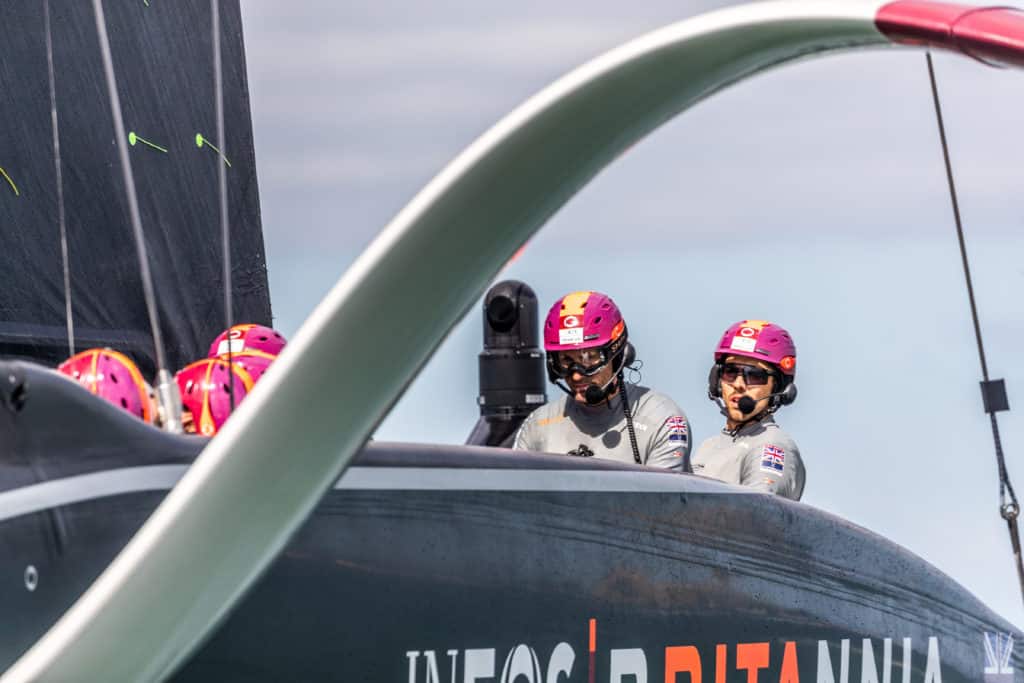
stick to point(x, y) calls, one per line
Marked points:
point(788, 395)
point(714, 384)
point(628, 355)
point(549, 363)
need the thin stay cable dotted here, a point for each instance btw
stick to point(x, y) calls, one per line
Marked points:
point(60, 184)
point(167, 389)
point(993, 392)
point(222, 182)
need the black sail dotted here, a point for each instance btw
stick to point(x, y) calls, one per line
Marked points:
point(163, 59)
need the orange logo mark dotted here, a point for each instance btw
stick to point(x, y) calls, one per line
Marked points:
point(572, 304)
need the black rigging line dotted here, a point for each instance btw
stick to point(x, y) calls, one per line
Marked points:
point(993, 392)
point(167, 388)
point(129, 182)
point(60, 184)
point(222, 182)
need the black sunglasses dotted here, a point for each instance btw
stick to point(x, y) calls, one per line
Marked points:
point(752, 375)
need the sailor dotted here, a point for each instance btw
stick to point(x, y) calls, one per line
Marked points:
point(112, 376)
point(206, 396)
point(753, 376)
point(601, 415)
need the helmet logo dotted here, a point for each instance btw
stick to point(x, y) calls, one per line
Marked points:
point(235, 333)
point(746, 337)
point(570, 321)
point(618, 329)
point(573, 335)
point(233, 345)
point(788, 363)
point(743, 343)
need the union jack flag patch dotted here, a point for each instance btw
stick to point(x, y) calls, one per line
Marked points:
point(773, 459)
point(676, 428)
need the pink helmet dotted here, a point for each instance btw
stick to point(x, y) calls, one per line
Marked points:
point(253, 362)
point(247, 337)
point(205, 391)
point(759, 339)
point(583, 320)
point(112, 376)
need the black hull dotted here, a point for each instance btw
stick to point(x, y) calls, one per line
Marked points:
point(423, 556)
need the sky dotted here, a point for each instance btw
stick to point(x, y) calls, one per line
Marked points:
point(813, 195)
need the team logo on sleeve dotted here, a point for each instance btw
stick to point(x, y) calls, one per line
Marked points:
point(676, 428)
point(773, 459)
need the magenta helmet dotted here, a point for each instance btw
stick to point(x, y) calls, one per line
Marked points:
point(112, 376)
point(583, 320)
point(247, 337)
point(205, 391)
point(761, 340)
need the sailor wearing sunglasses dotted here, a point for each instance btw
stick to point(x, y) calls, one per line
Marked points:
point(753, 376)
point(587, 351)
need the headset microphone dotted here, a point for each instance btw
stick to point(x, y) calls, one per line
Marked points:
point(747, 404)
point(599, 394)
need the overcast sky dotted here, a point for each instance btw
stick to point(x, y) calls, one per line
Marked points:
point(813, 195)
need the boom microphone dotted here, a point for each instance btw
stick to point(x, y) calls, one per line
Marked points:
point(747, 404)
point(595, 394)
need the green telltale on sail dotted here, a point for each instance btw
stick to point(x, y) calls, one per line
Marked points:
point(200, 141)
point(133, 139)
point(10, 182)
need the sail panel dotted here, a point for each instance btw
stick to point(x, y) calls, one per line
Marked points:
point(163, 60)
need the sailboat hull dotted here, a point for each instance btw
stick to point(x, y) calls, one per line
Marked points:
point(438, 563)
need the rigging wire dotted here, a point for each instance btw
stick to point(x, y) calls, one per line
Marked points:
point(1009, 511)
point(222, 184)
point(167, 389)
point(60, 184)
